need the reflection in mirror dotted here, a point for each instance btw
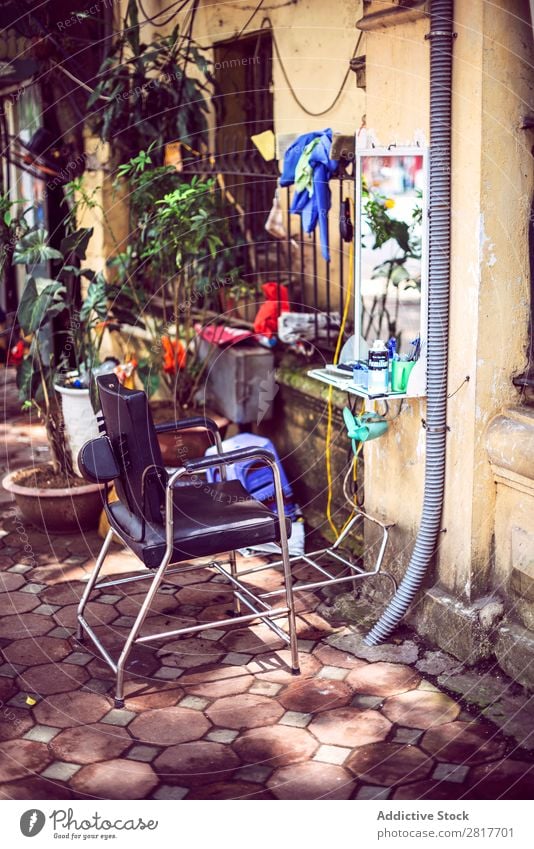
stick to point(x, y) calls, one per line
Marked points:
point(390, 262)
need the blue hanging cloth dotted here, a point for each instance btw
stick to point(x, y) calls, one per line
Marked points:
point(313, 206)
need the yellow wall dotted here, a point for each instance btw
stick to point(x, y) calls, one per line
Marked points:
point(491, 181)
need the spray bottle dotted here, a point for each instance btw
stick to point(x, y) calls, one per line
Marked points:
point(378, 368)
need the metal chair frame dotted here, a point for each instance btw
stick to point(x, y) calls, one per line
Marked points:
point(243, 595)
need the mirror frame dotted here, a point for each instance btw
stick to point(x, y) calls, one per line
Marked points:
point(392, 150)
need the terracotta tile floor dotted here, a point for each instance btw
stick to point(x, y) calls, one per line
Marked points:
point(217, 716)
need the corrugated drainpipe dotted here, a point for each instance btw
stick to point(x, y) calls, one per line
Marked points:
point(441, 40)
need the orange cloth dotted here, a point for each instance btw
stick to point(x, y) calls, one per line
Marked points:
point(173, 354)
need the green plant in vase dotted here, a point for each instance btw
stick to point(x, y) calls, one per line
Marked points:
point(43, 300)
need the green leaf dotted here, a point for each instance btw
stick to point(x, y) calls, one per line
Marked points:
point(96, 299)
point(33, 249)
point(149, 377)
point(41, 300)
point(77, 242)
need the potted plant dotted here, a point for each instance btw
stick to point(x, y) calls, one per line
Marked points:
point(50, 495)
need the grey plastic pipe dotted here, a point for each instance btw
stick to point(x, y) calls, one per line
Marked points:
point(441, 40)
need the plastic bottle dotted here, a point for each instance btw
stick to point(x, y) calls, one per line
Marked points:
point(378, 368)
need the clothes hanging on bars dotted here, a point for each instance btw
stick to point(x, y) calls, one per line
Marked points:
point(309, 155)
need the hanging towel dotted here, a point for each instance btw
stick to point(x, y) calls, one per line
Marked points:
point(311, 150)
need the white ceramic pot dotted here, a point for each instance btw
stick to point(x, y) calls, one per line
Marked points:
point(79, 418)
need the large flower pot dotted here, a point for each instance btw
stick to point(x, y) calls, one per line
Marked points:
point(178, 446)
point(57, 511)
point(79, 418)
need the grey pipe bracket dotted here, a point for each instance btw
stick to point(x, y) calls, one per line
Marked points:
point(432, 429)
point(437, 32)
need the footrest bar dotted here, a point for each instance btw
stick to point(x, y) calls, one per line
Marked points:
point(145, 576)
point(220, 623)
point(317, 584)
point(88, 630)
point(264, 618)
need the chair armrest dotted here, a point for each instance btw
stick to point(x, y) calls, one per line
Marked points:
point(97, 462)
point(186, 424)
point(228, 457)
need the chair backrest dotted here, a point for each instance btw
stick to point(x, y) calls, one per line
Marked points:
point(129, 426)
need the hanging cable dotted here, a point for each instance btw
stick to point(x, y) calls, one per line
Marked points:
point(151, 19)
point(328, 457)
point(290, 87)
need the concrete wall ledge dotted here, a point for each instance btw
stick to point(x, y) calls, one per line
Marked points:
point(510, 446)
point(476, 632)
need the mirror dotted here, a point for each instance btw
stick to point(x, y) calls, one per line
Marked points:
point(390, 257)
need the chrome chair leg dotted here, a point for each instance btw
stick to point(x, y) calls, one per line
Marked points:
point(138, 624)
point(90, 584)
point(233, 572)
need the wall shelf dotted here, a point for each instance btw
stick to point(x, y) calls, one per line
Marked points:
point(345, 384)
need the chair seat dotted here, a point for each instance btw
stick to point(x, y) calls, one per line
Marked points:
point(209, 518)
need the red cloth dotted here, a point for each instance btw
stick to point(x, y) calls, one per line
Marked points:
point(220, 334)
point(276, 302)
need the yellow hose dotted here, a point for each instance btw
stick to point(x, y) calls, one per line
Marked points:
point(339, 342)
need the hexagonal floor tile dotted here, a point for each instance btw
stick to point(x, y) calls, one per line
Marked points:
point(311, 626)
point(314, 695)
point(387, 764)
point(383, 679)
point(230, 790)
point(254, 640)
point(202, 595)
point(10, 581)
point(463, 743)
point(65, 593)
point(34, 788)
point(190, 764)
point(247, 710)
point(95, 614)
point(52, 678)
point(68, 709)
point(142, 696)
point(276, 667)
point(186, 654)
point(218, 682)
point(7, 689)
point(115, 779)
point(30, 652)
point(195, 576)
point(434, 790)
point(504, 779)
point(20, 626)
point(22, 758)
point(348, 726)
point(311, 781)
point(421, 709)
point(14, 722)
point(17, 602)
point(90, 743)
point(275, 746)
point(330, 656)
point(170, 725)
point(131, 605)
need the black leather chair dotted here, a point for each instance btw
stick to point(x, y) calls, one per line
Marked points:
point(169, 518)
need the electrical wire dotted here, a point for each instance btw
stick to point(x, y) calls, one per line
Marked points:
point(328, 455)
point(253, 15)
point(288, 81)
point(151, 19)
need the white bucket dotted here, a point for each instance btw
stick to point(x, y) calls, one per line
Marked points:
point(79, 418)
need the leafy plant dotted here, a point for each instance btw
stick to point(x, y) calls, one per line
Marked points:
point(395, 271)
point(43, 299)
point(145, 93)
point(178, 252)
